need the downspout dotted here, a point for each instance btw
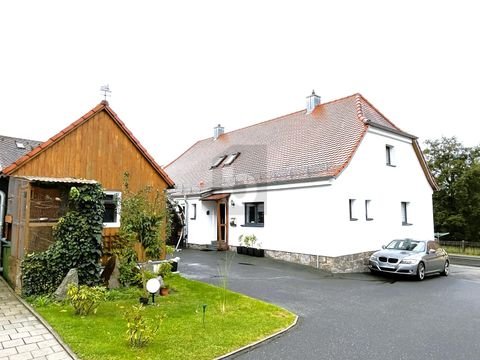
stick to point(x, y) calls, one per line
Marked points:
point(2, 211)
point(186, 220)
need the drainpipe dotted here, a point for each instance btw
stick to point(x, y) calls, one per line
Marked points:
point(186, 220)
point(2, 211)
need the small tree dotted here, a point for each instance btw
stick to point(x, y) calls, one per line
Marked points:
point(144, 219)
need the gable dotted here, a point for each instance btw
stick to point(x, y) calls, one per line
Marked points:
point(97, 146)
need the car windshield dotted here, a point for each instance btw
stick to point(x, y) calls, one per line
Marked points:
point(408, 245)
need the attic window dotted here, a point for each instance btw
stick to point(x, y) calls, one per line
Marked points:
point(231, 158)
point(218, 162)
point(19, 145)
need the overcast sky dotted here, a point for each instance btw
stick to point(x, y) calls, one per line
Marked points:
point(178, 68)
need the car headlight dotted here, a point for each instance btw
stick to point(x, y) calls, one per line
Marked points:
point(409, 261)
point(373, 258)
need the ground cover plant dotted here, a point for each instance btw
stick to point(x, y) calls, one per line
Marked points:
point(196, 321)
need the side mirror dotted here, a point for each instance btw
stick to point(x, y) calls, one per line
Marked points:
point(383, 246)
point(432, 251)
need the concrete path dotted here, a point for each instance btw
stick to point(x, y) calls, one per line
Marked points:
point(23, 335)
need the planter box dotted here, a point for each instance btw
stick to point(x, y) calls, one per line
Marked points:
point(241, 250)
point(259, 252)
point(250, 251)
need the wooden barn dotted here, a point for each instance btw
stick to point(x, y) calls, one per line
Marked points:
point(99, 147)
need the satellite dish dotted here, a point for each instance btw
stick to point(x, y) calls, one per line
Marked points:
point(153, 285)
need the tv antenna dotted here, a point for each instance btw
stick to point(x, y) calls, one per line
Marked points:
point(106, 91)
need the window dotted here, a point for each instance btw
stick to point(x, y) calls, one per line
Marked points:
point(389, 155)
point(218, 162)
point(368, 210)
point(254, 214)
point(230, 159)
point(405, 206)
point(20, 145)
point(112, 202)
point(352, 205)
point(194, 212)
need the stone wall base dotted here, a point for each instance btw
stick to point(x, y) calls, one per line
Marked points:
point(339, 264)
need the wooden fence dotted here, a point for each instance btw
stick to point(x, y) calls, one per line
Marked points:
point(461, 244)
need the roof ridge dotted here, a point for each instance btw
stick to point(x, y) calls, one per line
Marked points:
point(282, 116)
point(19, 138)
point(87, 116)
point(381, 114)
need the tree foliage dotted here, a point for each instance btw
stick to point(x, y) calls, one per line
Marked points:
point(144, 219)
point(456, 169)
point(78, 244)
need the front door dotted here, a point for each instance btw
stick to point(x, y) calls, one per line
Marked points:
point(222, 224)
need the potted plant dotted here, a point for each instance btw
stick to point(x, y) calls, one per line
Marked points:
point(241, 249)
point(249, 241)
point(165, 271)
point(145, 276)
point(170, 250)
point(164, 289)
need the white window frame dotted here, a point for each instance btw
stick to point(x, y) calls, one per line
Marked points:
point(390, 155)
point(405, 206)
point(118, 196)
point(368, 210)
point(352, 209)
point(193, 208)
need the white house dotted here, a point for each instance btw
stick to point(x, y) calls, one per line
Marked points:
point(323, 186)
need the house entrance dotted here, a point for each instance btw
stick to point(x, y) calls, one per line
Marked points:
point(222, 224)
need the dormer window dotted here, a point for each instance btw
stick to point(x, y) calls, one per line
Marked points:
point(389, 153)
point(218, 162)
point(20, 145)
point(230, 159)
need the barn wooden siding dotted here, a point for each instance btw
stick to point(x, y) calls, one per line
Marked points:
point(98, 149)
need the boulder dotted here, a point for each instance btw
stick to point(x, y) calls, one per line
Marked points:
point(113, 282)
point(70, 278)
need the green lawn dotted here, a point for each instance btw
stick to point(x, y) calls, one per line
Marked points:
point(458, 250)
point(182, 334)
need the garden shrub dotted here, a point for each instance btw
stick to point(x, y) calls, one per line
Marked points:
point(85, 299)
point(78, 244)
point(140, 331)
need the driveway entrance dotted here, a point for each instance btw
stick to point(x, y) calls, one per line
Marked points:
point(354, 316)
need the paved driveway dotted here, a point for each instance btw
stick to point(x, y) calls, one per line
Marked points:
point(356, 316)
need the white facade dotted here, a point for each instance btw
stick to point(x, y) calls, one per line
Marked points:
point(315, 217)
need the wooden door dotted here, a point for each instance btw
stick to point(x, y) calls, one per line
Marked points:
point(222, 224)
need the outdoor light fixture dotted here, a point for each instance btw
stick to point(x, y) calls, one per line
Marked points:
point(232, 203)
point(153, 285)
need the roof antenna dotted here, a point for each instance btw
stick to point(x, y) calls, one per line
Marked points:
point(106, 91)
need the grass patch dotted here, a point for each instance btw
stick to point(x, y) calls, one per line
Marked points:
point(182, 335)
point(475, 251)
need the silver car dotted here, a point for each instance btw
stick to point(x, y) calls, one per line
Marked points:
point(411, 257)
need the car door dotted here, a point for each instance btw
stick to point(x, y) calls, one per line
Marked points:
point(433, 258)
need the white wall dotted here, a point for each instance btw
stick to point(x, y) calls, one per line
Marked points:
point(313, 218)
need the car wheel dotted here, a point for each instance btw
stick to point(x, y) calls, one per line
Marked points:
point(421, 271)
point(446, 268)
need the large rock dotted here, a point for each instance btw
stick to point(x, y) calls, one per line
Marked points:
point(70, 278)
point(113, 282)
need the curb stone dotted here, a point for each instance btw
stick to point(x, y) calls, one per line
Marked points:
point(258, 343)
point(42, 321)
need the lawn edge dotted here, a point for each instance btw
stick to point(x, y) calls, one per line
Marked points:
point(43, 322)
point(249, 347)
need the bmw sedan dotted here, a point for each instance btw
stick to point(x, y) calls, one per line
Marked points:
point(410, 257)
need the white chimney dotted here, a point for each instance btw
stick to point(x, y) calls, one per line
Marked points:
point(217, 131)
point(312, 101)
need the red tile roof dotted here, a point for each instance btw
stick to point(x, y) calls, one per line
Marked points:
point(294, 147)
point(103, 106)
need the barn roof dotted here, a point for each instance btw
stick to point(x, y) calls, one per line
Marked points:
point(103, 106)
